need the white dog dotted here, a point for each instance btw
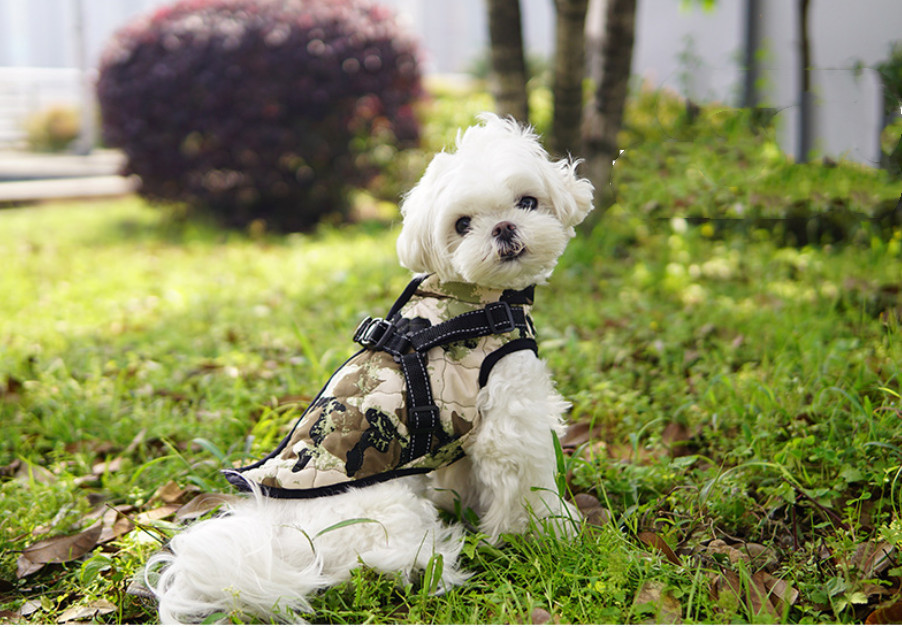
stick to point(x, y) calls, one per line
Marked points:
point(446, 407)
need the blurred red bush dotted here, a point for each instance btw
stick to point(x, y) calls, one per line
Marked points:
point(257, 109)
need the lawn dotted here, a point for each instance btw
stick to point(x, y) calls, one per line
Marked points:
point(736, 431)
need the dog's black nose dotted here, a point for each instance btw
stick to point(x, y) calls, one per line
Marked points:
point(504, 231)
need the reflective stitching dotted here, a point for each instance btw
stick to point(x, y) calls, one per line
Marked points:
point(410, 432)
point(432, 415)
point(482, 329)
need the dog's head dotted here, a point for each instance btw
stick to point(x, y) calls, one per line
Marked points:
point(496, 212)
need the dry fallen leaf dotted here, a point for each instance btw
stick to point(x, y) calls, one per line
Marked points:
point(111, 465)
point(748, 552)
point(667, 608)
point(869, 588)
point(754, 596)
point(115, 524)
point(886, 615)
point(760, 555)
point(25, 567)
point(136, 441)
point(98, 447)
point(540, 616)
point(872, 558)
point(58, 550)
point(169, 493)
point(28, 472)
point(650, 538)
point(90, 611)
point(675, 433)
point(29, 607)
point(11, 388)
point(85, 480)
point(204, 504)
point(137, 588)
point(159, 513)
point(779, 588)
point(9, 470)
point(577, 434)
point(719, 547)
point(591, 509)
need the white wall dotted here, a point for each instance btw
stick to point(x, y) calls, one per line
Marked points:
point(454, 33)
point(41, 33)
point(844, 35)
point(689, 49)
point(678, 45)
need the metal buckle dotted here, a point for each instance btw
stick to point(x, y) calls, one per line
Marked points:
point(500, 317)
point(371, 332)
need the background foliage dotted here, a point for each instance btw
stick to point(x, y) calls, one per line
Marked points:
point(735, 427)
point(52, 129)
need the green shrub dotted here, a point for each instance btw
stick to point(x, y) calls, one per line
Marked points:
point(52, 129)
point(723, 165)
point(890, 72)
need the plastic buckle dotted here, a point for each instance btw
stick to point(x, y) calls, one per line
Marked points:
point(371, 332)
point(422, 419)
point(500, 317)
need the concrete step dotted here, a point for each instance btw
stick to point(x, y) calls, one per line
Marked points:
point(58, 189)
point(27, 166)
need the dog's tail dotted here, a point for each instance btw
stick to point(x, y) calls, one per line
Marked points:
point(265, 557)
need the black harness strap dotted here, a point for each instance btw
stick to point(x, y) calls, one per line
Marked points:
point(494, 318)
point(520, 344)
point(405, 295)
point(409, 350)
point(422, 413)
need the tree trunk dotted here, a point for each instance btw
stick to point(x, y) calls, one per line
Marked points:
point(569, 71)
point(604, 114)
point(806, 96)
point(508, 63)
point(751, 42)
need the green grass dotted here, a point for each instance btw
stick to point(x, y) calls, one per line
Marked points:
point(734, 389)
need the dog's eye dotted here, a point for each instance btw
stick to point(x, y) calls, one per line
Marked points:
point(529, 203)
point(462, 225)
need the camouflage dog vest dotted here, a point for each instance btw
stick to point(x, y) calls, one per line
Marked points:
point(405, 403)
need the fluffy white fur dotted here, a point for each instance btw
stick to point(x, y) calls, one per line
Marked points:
point(495, 165)
point(266, 556)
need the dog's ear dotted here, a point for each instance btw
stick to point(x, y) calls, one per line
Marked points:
point(418, 241)
point(572, 197)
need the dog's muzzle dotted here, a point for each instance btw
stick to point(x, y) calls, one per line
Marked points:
point(506, 238)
